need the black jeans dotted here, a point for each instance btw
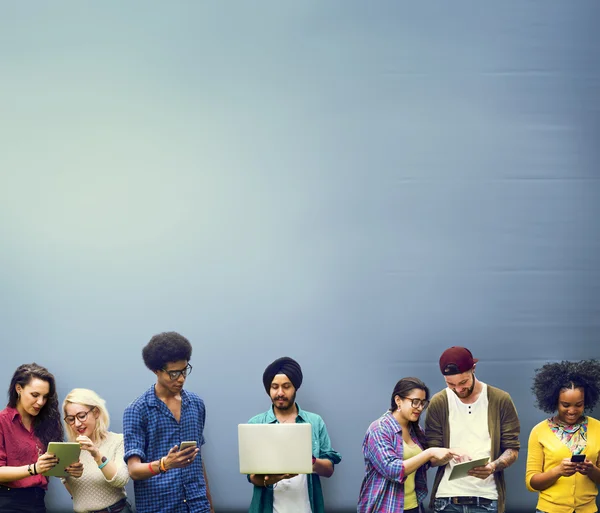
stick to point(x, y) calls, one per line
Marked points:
point(22, 500)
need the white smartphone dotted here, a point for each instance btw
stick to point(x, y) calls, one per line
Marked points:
point(185, 445)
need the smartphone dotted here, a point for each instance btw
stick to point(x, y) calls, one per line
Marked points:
point(578, 458)
point(185, 445)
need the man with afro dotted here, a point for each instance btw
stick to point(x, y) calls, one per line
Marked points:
point(167, 479)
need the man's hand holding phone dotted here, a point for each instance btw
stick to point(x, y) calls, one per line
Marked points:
point(179, 458)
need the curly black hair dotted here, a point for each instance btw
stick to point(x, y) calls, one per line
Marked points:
point(550, 379)
point(47, 423)
point(164, 348)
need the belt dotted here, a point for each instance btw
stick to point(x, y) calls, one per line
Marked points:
point(471, 501)
point(30, 490)
point(115, 508)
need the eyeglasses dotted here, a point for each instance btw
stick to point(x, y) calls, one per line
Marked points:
point(418, 403)
point(174, 374)
point(81, 416)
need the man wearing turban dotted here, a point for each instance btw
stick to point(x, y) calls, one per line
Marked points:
point(287, 493)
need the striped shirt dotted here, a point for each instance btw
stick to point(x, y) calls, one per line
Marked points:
point(382, 489)
point(150, 431)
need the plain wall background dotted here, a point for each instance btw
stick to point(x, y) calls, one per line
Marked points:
point(358, 185)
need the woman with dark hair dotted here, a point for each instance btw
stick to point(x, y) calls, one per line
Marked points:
point(27, 424)
point(396, 457)
point(563, 456)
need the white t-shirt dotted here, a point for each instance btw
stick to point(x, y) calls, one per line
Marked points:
point(469, 432)
point(291, 495)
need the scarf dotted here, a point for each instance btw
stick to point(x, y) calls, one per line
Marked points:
point(574, 436)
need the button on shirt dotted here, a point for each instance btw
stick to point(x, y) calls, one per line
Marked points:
point(150, 430)
point(19, 446)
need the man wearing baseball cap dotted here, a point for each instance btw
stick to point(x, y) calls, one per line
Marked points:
point(479, 419)
point(286, 493)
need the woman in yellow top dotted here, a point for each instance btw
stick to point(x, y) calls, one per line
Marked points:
point(564, 485)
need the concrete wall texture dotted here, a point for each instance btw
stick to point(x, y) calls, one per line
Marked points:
point(356, 185)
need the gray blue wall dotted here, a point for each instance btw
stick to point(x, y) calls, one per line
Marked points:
point(358, 185)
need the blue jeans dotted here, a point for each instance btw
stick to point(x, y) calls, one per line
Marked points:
point(444, 504)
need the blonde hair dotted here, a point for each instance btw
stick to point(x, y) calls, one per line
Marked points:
point(90, 399)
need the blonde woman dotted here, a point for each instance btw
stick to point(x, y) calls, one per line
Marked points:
point(100, 487)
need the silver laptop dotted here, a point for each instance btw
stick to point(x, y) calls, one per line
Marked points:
point(275, 448)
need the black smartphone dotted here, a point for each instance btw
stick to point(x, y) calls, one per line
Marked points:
point(578, 458)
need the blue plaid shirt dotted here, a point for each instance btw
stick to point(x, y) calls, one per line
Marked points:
point(150, 431)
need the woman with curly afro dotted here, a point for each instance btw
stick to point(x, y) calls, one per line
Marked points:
point(563, 452)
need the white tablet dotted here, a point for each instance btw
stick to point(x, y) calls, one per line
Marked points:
point(461, 470)
point(275, 448)
point(67, 453)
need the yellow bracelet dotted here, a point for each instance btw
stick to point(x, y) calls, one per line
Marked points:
point(161, 465)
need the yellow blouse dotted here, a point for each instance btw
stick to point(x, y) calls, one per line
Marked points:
point(574, 493)
point(410, 496)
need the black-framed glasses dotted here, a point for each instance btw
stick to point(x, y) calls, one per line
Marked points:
point(81, 416)
point(174, 374)
point(418, 403)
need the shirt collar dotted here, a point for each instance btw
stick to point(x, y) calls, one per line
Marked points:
point(152, 399)
point(392, 420)
point(271, 418)
point(13, 413)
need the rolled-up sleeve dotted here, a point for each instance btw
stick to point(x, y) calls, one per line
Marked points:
point(325, 449)
point(134, 434)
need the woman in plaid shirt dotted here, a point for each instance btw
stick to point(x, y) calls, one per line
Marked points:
point(396, 457)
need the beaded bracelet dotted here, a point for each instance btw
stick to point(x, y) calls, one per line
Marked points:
point(30, 470)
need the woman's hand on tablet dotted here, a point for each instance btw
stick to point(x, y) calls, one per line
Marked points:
point(75, 469)
point(45, 462)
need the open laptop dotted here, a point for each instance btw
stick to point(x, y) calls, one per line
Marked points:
point(275, 448)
